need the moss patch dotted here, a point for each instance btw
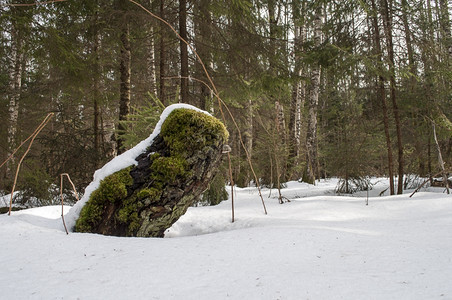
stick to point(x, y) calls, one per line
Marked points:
point(167, 169)
point(186, 131)
point(110, 191)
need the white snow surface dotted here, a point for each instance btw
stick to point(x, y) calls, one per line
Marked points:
point(318, 246)
point(122, 161)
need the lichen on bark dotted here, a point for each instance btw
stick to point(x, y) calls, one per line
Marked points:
point(146, 199)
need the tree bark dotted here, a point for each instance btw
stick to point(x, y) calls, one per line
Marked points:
point(440, 161)
point(203, 33)
point(273, 23)
point(311, 134)
point(280, 123)
point(298, 89)
point(248, 136)
point(445, 26)
point(387, 24)
point(124, 90)
point(150, 60)
point(183, 51)
point(382, 95)
point(162, 54)
point(15, 89)
point(96, 88)
point(408, 40)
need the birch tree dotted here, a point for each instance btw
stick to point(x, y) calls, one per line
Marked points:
point(298, 89)
point(20, 18)
point(312, 163)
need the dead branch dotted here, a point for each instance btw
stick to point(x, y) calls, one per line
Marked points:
point(440, 160)
point(33, 136)
point(425, 181)
point(14, 152)
point(62, 198)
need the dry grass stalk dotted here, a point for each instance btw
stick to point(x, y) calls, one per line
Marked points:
point(33, 136)
point(62, 198)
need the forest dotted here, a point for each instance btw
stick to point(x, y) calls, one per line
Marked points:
point(307, 89)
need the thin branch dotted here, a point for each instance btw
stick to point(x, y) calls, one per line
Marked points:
point(425, 181)
point(36, 132)
point(440, 159)
point(232, 188)
point(61, 195)
point(62, 202)
point(14, 152)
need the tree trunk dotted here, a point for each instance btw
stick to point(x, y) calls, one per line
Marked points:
point(96, 89)
point(387, 17)
point(203, 33)
point(311, 134)
point(382, 95)
point(440, 161)
point(109, 146)
point(273, 22)
point(408, 40)
point(124, 90)
point(298, 89)
point(183, 51)
point(150, 60)
point(15, 89)
point(248, 137)
point(162, 58)
point(280, 123)
point(445, 26)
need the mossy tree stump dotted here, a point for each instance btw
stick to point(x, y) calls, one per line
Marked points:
point(146, 199)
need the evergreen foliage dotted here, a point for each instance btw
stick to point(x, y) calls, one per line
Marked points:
point(69, 56)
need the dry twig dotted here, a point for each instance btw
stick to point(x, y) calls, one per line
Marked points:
point(61, 195)
point(33, 136)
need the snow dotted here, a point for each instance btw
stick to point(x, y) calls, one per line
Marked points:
point(318, 246)
point(122, 161)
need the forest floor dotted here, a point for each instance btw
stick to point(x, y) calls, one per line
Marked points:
point(317, 246)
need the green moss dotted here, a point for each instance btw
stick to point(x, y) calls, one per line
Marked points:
point(186, 131)
point(128, 214)
point(113, 188)
point(152, 194)
point(167, 169)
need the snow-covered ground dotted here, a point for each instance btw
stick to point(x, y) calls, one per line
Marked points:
point(318, 246)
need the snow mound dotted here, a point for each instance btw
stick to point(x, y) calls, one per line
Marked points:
point(318, 246)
